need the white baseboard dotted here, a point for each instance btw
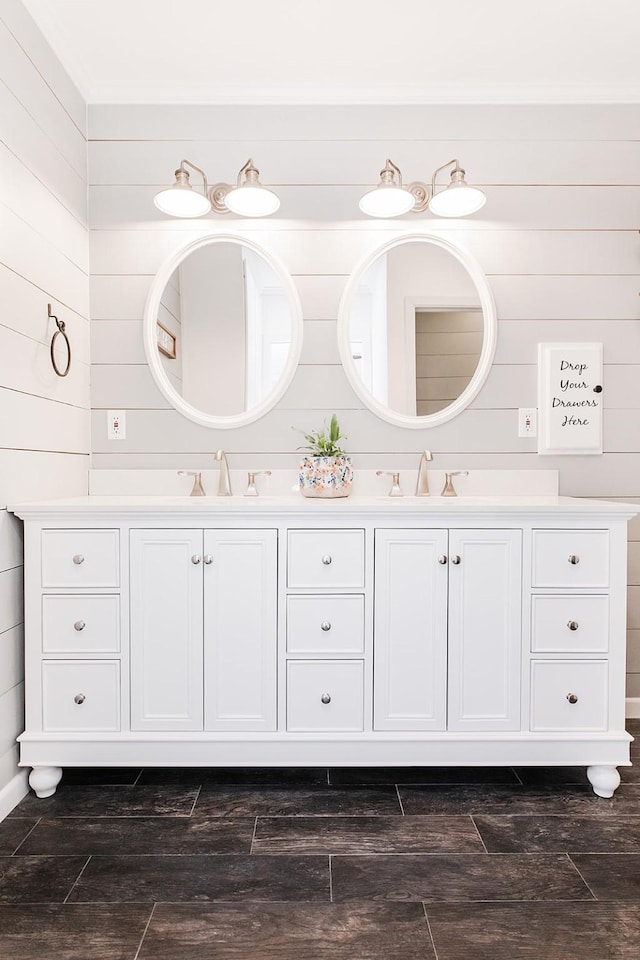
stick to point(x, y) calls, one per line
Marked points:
point(12, 794)
point(632, 708)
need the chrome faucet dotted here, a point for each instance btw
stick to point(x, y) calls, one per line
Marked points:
point(396, 490)
point(198, 489)
point(422, 486)
point(252, 490)
point(224, 483)
point(449, 490)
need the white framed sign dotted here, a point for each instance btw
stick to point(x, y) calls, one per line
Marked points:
point(569, 398)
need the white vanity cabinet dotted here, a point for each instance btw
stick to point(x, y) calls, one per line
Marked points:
point(78, 594)
point(166, 631)
point(325, 631)
point(203, 629)
point(447, 629)
point(570, 630)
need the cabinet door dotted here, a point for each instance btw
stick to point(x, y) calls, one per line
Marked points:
point(485, 629)
point(166, 629)
point(410, 639)
point(240, 629)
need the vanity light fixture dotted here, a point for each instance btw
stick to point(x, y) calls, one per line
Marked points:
point(457, 199)
point(180, 199)
point(248, 198)
point(391, 199)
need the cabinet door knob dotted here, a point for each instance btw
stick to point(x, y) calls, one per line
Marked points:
point(574, 559)
point(79, 698)
point(78, 559)
point(79, 625)
point(326, 698)
point(326, 559)
point(456, 559)
point(325, 625)
point(442, 558)
point(196, 558)
point(208, 558)
point(572, 698)
point(573, 625)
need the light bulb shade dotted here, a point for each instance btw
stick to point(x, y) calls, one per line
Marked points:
point(251, 200)
point(458, 199)
point(180, 199)
point(387, 200)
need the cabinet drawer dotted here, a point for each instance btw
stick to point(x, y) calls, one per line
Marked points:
point(325, 625)
point(553, 682)
point(80, 695)
point(572, 624)
point(80, 624)
point(571, 558)
point(80, 558)
point(325, 695)
point(326, 558)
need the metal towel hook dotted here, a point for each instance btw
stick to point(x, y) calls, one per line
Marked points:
point(59, 332)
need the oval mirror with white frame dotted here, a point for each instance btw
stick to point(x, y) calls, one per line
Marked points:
point(417, 330)
point(222, 330)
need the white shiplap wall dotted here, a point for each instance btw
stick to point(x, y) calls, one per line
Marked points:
point(558, 239)
point(44, 258)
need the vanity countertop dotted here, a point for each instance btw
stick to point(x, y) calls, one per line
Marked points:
point(297, 508)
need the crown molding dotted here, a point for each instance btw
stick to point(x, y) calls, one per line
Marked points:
point(350, 95)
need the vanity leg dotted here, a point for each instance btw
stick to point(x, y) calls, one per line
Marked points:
point(44, 780)
point(604, 780)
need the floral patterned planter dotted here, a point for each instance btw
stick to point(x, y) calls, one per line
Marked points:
point(325, 476)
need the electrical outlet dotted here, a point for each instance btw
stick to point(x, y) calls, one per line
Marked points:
point(116, 425)
point(527, 422)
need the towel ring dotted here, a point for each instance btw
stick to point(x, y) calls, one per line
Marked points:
point(59, 332)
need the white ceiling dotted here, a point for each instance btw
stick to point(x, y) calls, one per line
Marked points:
point(347, 51)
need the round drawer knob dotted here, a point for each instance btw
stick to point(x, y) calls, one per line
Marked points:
point(573, 625)
point(196, 558)
point(456, 559)
point(574, 559)
point(79, 698)
point(208, 558)
point(79, 625)
point(325, 625)
point(572, 698)
point(326, 559)
point(326, 698)
point(442, 558)
point(78, 559)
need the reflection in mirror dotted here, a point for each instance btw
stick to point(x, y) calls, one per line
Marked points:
point(222, 331)
point(418, 326)
point(231, 321)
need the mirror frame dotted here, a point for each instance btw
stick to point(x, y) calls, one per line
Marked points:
point(150, 317)
point(490, 330)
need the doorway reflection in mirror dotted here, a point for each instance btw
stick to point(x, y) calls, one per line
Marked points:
point(416, 329)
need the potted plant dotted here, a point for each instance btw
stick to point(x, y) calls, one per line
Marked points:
point(325, 469)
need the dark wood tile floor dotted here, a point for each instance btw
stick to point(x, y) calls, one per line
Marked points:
point(316, 864)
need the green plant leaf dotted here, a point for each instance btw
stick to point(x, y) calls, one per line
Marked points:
point(325, 442)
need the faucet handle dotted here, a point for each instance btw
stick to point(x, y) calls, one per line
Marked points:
point(395, 481)
point(252, 490)
point(448, 490)
point(198, 489)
